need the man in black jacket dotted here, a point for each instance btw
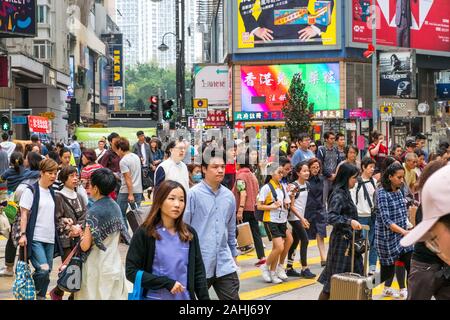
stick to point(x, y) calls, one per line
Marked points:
point(142, 149)
point(267, 30)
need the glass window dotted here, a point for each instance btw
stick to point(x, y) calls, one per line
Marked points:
point(42, 14)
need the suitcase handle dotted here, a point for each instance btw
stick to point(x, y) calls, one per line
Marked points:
point(366, 254)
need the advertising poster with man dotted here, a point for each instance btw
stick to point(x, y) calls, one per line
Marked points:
point(271, 23)
point(417, 24)
point(397, 78)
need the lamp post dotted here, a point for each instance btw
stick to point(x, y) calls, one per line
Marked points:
point(96, 62)
point(180, 61)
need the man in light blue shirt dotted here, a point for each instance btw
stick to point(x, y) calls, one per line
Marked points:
point(211, 211)
point(76, 150)
point(303, 153)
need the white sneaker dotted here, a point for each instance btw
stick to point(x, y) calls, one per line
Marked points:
point(5, 273)
point(275, 278)
point(403, 293)
point(266, 273)
point(281, 273)
point(390, 292)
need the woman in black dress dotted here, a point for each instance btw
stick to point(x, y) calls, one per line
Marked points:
point(315, 212)
point(343, 216)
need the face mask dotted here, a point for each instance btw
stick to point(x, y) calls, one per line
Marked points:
point(197, 177)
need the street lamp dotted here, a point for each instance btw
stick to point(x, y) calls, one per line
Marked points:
point(108, 66)
point(163, 46)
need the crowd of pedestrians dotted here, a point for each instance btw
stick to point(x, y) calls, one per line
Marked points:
point(73, 198)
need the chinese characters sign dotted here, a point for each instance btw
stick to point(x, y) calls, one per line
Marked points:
point(39, 124)
point(216, 118)
point(18, 18)
point(258, 116)
point(265, 88)
point(269, 23)
point(418, 24)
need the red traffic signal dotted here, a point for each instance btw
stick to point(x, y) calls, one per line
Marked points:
point(369, 52)
point(153, 99)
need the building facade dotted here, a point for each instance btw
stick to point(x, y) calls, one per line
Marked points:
point(325, 41)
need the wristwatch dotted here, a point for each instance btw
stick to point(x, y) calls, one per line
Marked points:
point(23, 234)
point(241, 206)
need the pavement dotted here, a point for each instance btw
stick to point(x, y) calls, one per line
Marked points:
point(252, 286)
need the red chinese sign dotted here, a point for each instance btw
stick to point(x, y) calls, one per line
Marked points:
point(216, 118)
point(39, 124)
point(4, 71)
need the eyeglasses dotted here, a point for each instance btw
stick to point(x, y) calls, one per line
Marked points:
point(433, 245)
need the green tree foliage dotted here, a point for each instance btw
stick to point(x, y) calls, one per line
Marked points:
point(298, 112)
point(143, 81)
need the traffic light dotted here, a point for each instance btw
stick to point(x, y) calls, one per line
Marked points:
point(167, 109)
point(154, 100)
point(6, 124)
point(73, 112)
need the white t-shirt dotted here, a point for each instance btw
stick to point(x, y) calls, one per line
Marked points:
point(364, 210)
point(45, 222)
point(144, 154)
point(300, 202)
point(131, 163)
point(277, 215)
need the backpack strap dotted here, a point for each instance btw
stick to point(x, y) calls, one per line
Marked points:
point(366, 194)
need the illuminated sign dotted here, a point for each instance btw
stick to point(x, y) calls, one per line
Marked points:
point(18, 18)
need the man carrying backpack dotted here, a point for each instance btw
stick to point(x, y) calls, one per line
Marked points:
point(329, 157)
point(363, 196)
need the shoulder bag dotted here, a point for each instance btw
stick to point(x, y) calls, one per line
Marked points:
point(69, 276)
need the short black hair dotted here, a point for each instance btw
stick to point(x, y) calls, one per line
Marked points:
point(112, 136)
point(444, 145)
point(421, 136)
point(411, 144)
point(5, 136)
point(339, 134)
point(74, 138)
point(328, 134)
point(104, 180)
point(419, 152)
point(64, 150)
point(34, 160)
point(390, 171)
point(215, 153)
point(34, 138)
point(366, 161)
point(284, 161)
point(302, 136)
point(350, 146)
point(139, 133)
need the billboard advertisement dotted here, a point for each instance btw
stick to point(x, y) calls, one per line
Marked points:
point(305, 24)
point(265, 88)
point(443, 85)
point(212, 83)
point(18, 18)
point(417, 24)
point(397, 74)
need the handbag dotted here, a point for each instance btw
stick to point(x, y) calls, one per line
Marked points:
point(136, 215)
point(23, 285)
point(69, 276)
point(361, 246)
point(244, 236)
point(147, 180)
point(138, 292)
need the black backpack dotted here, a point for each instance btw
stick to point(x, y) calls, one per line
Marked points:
point(259, 214)
point(362, 184)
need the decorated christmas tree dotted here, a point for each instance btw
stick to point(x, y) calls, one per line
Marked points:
point(298, 111)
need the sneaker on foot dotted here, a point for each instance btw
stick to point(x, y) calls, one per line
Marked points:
point(307, 274)
point(275, 278)
point(281, 273)
point(291, 272)
point(403, 294)
point(260, 262)
point(390, 292)
point(5, 273)
point(55, 296)
point(266, 273)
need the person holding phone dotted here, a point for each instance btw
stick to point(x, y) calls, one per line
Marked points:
point(378, 152)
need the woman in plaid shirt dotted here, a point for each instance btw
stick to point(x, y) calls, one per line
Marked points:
point(390, 226)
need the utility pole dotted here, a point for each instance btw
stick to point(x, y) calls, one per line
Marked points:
point(374, 68)
point(183, 66)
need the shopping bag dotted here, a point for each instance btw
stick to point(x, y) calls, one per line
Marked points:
point(245, 237)
point(23, 285)
point(137, 293)
point(69, 276)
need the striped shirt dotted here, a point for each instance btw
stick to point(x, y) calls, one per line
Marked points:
point(392, 209)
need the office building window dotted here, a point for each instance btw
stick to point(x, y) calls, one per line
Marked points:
point(42, 14)
point(43, 49)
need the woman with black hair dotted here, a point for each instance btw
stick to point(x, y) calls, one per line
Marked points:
point(391, 223)
point(17, 172)
point(343, 216)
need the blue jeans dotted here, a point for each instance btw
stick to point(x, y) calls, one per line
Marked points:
point(122, 201)
point(373, 251)
point(42, 261)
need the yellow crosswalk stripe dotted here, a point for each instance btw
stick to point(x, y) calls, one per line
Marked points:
point(275, 289)
point(2, 238)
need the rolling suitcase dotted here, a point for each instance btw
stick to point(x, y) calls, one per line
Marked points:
point(350, 285)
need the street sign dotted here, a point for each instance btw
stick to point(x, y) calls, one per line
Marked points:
point(386, 109)
point(201, 113)
point(200, 103)
point(386, 117)
point(19, 120)
point(48, 115)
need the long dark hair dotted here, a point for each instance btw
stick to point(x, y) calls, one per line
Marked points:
point(346, 171)
point(16, 161)
point(154, 218)
point(390, 171)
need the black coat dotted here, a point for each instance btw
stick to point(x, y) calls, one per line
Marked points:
point(140, 257)
point(341, 211)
